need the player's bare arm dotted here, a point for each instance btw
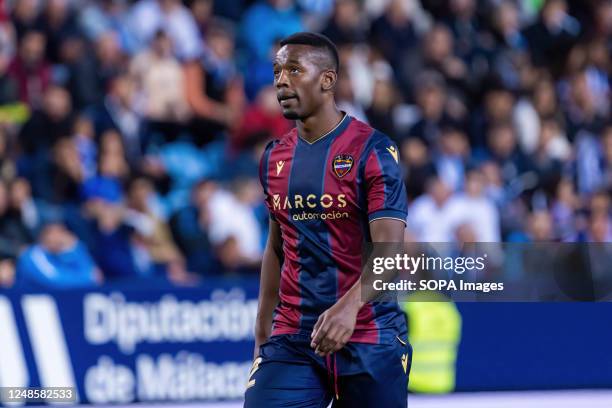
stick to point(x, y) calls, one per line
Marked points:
point(269, 285)
point(335, 326)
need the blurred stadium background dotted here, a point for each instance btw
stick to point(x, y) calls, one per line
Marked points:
point(131, 216)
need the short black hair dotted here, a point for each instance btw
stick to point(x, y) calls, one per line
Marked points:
point(315, 40)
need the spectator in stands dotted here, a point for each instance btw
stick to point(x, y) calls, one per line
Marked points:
point(529, 112)
point(502, 148)
point(24, 16)
point(265, 22)
point(30, 212)
point(430, 217)
point(494, 184)
point(149, 16)
point(47, 125)
point(563, 210)
point(99, 17)
point(602, 15)
point(158, 76)
point(551, 37)
point(598, 229)
point(394, 32)
point(452, 155)
point(14, 234)
point(260, 72)
point(262, 119)
point(233, 226)
point(7, 272)
point(497, 107)
point(419, 166)
point(7, 164)
point(113, 246)
point(465, 27)
point(430, 94)
point(381, 111)
point(507, 27)
point(606, 158)
point(189, 228)
point(540, 227)
point(474, 209)
point(582, 112)
point(548, 159)
point(347, 25)
point(345, 97)
point(107, 184)
point(93, 68)
point(436, 54)
point(214, 87)
point(83, 136)
point(598, 68)
point(64, 177)
point(58, 22)
point(600, 203)
point(504, 51)
point(9, 87)
point(59, 260)
point(30, 69)
point(360, 64)
point(203, 11)
point(153, 233)
point(593, 158)
point(119, 113)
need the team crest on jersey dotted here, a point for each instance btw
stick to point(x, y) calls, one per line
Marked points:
point(342, 164)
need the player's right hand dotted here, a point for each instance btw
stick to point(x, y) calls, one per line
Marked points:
point(258, 343)
point(334, 327)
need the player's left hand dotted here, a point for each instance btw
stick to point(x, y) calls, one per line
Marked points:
point(334, 327)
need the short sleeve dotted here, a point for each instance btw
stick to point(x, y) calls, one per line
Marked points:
point(263, 176)
point(386, 193)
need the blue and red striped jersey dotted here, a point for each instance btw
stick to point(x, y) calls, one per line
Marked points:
point(323, 195)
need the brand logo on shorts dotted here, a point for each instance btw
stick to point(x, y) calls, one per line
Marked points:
point(254, 368)
point(342, 164)
point(405, 362)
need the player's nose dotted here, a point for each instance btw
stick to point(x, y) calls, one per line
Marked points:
point(282, 80)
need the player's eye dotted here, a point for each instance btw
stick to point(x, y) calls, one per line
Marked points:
point(295, 70)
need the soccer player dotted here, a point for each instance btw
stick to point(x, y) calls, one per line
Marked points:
point(330, 184)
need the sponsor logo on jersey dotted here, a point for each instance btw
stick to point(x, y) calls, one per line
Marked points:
point(315, 207)
point(311, 201)
point(279, 166)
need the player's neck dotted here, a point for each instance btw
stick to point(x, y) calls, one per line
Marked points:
point(316, 126)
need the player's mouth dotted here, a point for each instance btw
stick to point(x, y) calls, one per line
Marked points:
point(286, 97)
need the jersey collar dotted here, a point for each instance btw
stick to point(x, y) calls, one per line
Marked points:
point(340, 127)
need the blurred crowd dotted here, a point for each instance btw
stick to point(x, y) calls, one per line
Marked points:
point(130, 131)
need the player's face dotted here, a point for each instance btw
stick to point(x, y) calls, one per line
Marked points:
point(298, 81)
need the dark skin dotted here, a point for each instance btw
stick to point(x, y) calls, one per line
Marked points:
point(305, 81)
point(269, 284)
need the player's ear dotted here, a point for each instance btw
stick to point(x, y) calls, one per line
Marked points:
point(328, 80)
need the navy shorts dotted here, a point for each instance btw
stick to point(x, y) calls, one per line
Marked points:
point(288, 373)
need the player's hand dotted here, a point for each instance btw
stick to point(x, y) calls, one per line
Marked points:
point(334, 327)
point(256, 350)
